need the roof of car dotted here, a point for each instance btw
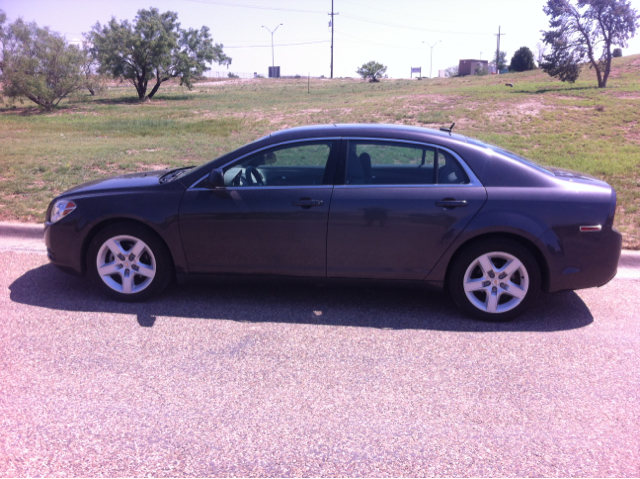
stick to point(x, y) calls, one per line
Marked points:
point(367, 129)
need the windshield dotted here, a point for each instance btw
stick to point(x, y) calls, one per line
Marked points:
point(509, 154)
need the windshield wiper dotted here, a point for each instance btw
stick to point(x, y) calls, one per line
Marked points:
point(174, 174)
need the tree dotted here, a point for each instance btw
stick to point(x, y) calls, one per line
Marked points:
point(372, 70)
point(617, 52)
point(154, 47)
point(501, 63)
point(37, 63)
point(541, 51)
point(586, 31)
point(481, 70)
point(522, 60)
point(89, 67)
point(452, 71)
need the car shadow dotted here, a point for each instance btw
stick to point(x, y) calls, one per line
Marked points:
point(358, 306)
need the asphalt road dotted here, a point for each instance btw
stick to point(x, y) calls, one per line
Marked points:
point(257, 380)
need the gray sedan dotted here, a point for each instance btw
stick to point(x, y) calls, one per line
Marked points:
point(347, 202)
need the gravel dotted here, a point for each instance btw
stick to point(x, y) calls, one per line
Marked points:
point(268, 380)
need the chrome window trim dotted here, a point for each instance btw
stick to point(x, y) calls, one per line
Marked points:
point(419, 185)
point(473, 179)
point(305, 140)
point(245, 188)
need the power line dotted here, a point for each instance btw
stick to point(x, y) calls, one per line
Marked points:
point(354, 17)
point(406, 14)
point(446, 47)
point(404, 27)
point(360, 40)
point(258, 7)
point(277, 45)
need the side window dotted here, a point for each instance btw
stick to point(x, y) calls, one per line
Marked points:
point(389, 163)
point(382, 163)
point(288, 165)
point(449, 170)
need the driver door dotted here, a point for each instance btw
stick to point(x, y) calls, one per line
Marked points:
point(269, 219)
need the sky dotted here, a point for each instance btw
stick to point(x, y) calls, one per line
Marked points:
point(432, 34)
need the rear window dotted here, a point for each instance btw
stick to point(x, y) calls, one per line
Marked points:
point(509, 154)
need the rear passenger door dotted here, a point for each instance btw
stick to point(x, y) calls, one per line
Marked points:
point(397, 207)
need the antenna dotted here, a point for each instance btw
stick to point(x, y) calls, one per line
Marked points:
point(448, 130)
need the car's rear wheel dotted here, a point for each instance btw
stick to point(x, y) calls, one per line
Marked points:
point(129, 263)
point(495, 280)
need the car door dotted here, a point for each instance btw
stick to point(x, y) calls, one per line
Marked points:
point(269, 218)
point(400, 206)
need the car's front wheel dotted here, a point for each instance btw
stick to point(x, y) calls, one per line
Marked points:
point(129, 263)
point(495, 280)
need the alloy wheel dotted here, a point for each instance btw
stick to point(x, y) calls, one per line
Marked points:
point(496, 282)
point(126, 264)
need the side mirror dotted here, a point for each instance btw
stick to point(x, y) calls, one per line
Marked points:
point(216, 179)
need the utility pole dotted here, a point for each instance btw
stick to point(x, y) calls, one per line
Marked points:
point(498, 50)
point(331, 22)
point(431, 56)
point(273, 63)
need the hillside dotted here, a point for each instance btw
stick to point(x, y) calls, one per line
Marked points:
point(575, 126)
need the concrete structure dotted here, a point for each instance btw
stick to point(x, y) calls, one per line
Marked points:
point(274, 72)
point(468, 67)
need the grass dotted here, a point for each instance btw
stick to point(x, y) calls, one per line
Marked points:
point(576, 126)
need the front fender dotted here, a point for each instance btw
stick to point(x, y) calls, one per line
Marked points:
point(68, 239)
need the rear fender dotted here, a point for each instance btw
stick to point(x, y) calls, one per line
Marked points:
point(520, 228)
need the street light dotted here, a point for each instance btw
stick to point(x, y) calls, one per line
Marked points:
point(272, 32)
point(431, 57)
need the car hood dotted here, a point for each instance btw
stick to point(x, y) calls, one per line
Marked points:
point(131, 181)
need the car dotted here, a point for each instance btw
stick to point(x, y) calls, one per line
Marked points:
point(367, 202)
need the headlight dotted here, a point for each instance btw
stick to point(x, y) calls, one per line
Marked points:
point(61, 209)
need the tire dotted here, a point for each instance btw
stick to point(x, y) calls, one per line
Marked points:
point(128, 262)
point(494, 280)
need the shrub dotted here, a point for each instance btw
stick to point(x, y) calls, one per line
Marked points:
point(522, 60)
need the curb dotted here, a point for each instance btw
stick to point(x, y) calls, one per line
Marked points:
point(22, 230)
point(628, 258)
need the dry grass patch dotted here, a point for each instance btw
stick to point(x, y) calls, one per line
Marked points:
point(519, 111)
point(551, 122)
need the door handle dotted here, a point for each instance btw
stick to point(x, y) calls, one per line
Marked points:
point(451, 203)
point(307, 203)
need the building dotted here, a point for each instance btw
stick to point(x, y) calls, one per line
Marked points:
point(468, 67)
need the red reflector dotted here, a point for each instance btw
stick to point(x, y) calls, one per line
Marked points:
point(69, 208)
point(589, 229)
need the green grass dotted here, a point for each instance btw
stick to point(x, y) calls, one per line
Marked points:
point(576, 126)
